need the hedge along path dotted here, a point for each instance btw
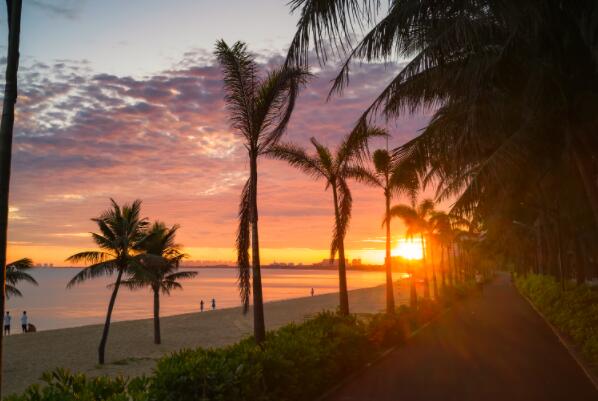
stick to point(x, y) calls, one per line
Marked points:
point(131, 351)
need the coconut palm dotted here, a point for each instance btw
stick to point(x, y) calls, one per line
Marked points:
point(121, 231)
point(415, 218)
point(15, 273)
point(6, 134)
point(335, 168)
point(157, 267)
point(259, 110)
point(394, 181)
point(441, 227)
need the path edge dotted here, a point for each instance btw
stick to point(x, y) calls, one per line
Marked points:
point(379, 358)
point(593, 377)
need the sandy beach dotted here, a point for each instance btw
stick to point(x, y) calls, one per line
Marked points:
point(131, 351)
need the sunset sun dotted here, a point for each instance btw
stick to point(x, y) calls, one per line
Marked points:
point(410, 249)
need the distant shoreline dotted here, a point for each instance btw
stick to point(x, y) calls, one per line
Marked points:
point(368, 268)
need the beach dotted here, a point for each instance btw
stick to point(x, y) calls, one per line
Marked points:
point(131, 351)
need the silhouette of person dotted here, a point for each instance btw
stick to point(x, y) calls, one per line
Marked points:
point(7, 324)
point(24, 321)
point(213, 304)
point(201, 306)
point(312, 291)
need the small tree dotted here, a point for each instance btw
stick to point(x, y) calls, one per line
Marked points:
point(157, 268)
point(121, 230)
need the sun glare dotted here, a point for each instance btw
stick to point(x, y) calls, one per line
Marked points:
point(410, 249)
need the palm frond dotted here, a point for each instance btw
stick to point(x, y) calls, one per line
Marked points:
point(92, 257)
point(326, 23)
point(12, 291)
point(240, 84)
point(100, 269)
point(274, 104)
point(297, 157)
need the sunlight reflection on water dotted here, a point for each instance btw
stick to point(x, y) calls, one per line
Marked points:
point(52, 306)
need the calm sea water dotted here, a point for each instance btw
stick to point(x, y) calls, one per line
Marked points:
point(51, 305)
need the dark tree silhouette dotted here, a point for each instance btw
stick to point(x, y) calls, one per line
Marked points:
point(121, 231)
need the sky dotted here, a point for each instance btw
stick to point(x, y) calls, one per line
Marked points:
point(123, 100)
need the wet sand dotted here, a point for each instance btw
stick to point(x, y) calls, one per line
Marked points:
point(131, 350)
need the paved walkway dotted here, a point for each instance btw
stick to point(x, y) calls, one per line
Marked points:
point(491, 347)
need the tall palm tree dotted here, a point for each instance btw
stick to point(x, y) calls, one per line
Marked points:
point(157, 267)
point(6, 128)
point(394, 180)
point(335, 169)
point(415, 218)
point(121, 231)
point(259, 109)
point(15, 273)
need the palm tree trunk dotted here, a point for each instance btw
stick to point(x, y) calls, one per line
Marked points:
point(434, 282)
point(442, 269)
point(390, 297)
point(412, 289)
point(582, 159)
point(104, 340)
point(6, 128)
point(424, 268)
point(157, 338)
point(342, 274)
point(259, 325)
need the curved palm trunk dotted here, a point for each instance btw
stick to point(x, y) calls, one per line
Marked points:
point(259, 325)
point(157, 337)
point(104, 340)
point(6, 128)
point(390, 297)
point(342, 274)
point(424, 267)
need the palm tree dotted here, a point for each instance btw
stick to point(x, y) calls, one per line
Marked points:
point(441, 227)
point(335, 169)
point(157, 267)
point(121, 231)
point(15, 273)
point(260, 109)
point(6, 129)
point(415, 218)
point(393, 180)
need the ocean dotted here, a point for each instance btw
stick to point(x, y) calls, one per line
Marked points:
point(51, 306)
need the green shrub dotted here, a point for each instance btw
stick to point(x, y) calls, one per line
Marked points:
point(62, 385)
point(385, 330)
point(295, 362)
point(574, 311)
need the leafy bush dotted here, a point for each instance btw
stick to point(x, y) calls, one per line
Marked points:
point(574, 312)
point(296, 362)
point(62, 385)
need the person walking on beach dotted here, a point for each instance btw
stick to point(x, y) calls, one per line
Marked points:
point(7, 323)
point(213, 304)
point(201, 306)
point(24, 321)
point(312, 291)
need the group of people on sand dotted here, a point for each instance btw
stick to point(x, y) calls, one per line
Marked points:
point(201, 304)
point(24, 323)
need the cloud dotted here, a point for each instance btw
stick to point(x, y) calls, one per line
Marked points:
point(63, 8)
point(81, 138)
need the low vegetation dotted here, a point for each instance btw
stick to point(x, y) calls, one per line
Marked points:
point(573, 311)
point(295, 362)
